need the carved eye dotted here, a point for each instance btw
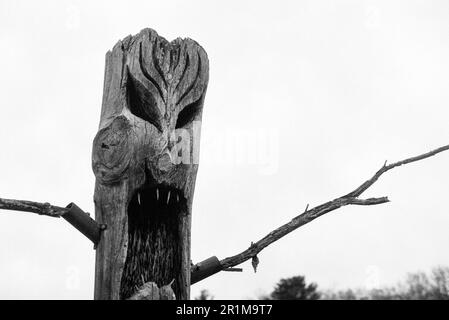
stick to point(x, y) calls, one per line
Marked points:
point(141, 102)
point(189, 113)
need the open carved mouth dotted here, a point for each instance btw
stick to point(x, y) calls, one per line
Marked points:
point(154, 250)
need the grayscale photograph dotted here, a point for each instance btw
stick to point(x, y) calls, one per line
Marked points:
point(240, 151)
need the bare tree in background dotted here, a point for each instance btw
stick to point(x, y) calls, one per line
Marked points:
point(416, 286)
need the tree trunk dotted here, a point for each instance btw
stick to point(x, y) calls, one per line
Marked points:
point(145, 159)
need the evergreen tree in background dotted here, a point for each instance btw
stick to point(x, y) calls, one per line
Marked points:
point(204, 295)
point(295, 288)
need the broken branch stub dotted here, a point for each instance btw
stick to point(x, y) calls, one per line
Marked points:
point(145, 159)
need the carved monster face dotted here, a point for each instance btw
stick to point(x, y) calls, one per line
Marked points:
point(145, 158)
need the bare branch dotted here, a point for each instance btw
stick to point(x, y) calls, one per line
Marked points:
point(357, 192)
point(72, 214)
point(311, 214)
point(45, 209)
point(294, 224)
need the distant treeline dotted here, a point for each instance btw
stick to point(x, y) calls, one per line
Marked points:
point(416, 286)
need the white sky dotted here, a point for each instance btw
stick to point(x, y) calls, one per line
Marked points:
point(320, 93)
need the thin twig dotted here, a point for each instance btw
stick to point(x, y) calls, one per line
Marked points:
point(294, 224)
point(311, 214)
point(357, 192)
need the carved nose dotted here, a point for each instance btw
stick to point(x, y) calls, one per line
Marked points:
point(165, 161)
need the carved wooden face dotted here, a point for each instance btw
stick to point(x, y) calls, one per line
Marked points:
point(145, 156)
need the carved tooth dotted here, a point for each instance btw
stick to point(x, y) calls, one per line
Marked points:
point(168, 197)
point(177, 197)
point(157, 193)
point(138, 197)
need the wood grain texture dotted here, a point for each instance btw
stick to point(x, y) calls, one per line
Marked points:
point(45, 209)
point(152, 103)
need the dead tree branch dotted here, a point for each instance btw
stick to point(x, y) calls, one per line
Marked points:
point(309, 215)
point(357, 192)
point(294, 224)
point(45, 209)
point(72, 214)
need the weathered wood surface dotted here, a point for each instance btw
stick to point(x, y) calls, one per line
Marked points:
point(150, 291)
point(45, 209)
point(145, 161)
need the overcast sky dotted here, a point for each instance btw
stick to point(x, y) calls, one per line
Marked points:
point(306, 100)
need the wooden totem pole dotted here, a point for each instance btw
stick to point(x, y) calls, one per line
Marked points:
point(145, 159)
